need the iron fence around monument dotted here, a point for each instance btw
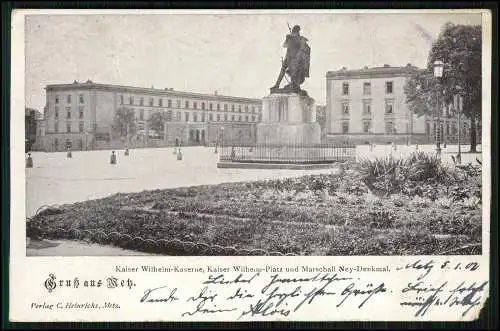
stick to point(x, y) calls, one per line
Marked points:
point(288, 153)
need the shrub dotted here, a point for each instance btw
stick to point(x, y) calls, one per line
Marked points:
point(381, 218)
point(444, 202)
point(471, 203)
point(397, 200)
point(421, 202)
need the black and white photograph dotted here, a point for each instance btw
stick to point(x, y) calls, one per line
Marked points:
point(253, 134)
point(250, 165)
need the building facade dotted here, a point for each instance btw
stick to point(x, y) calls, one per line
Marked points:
point(369, 106)
point(83, 116)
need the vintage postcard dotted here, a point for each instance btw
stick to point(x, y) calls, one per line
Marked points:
point(237, 165)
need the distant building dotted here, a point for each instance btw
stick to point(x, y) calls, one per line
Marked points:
point(369, 105)
point(32, 128)
point(83, 115)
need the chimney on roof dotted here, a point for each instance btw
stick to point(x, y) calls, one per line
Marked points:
point(365, 67)
point(89, 81)
point(408, 64)
point(344, 68)
point(386, 66)
point(75, 82)
point(215, 92)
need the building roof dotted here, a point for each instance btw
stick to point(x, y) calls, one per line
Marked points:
point(374, 72)
point(38, 115)
point(152, 91)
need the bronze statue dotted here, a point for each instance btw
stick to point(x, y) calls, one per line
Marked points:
point(297, 61)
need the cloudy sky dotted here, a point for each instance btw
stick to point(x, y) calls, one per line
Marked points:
point(235, 54)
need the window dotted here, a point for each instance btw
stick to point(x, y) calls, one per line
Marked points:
point(388, 87)
point(345, 88)
point(239, 109)
point(195, 105)
point(195, 117)
point(68, 112)
point(218, 106)
point(80, 127)
point(169, 116)
point(427, 128)
point(141, 114)
point(210, 106)
point(218, 117)
point(80, 112)
point(367, 125)
point(389, 107)
point(202, 105)
point(225, 117)
point(57, 99)
point(210, 117)
point(178, 116)
point(367, 108)
point(225, 107)
point(178, 103)
point(345, 127)
point(389, 127)
point(454, 129)
point(232, 107)
point(160, 102)
point(56, 112)
point(151, 102)
point(56, 127)
point(121, 99)
point(260, 117)
point(68, 127)
point(253, 109)
point(169, 103)
point(253, 118)
point(186, 105)
point(232, 118)
point(80, 97)
point(186, 116)
point(203, 117)
point(239, 118)
point(68, 99)
point(246, 118)
point(246, 109)
point(345, 108)
point(131, 100)
point(447, 128)
point(367, 89)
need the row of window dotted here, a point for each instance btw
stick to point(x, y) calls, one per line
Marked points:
point(190, 105)
point(68, 112)
point(450, 129)
point(68, 127)
point(367, 88)
point(212, 117)
point(68, 98)
point(367, 107)
point(367, 126)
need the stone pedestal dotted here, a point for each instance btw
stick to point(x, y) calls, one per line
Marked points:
point(288, 118)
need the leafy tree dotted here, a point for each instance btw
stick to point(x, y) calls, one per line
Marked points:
point(459, 47)
point(124, 121)
point(157, 121)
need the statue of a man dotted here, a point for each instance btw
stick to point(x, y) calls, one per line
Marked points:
point(297, 60)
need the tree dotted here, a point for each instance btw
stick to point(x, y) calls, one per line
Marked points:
point(157, 121)
point(459, 47)
point(124, 122)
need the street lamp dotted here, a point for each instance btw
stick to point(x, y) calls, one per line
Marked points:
point(438, 73)
point(459, 109)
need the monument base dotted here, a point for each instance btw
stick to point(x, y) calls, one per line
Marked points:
point(285, 133)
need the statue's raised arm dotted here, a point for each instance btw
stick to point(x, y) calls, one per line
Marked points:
point(297, 61)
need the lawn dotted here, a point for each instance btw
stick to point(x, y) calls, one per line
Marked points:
point(412, 206)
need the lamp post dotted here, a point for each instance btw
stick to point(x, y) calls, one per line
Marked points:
point(459, 106)
point(438, 73)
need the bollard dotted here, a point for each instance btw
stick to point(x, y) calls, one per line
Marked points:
point(175, 151)
point(371, 147)
point(112, 160)
point(29, 161)
point(127, 153)
point(179, 155)
point(215, 151)
point(68, 154)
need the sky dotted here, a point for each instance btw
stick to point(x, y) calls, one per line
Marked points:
point(233, 54)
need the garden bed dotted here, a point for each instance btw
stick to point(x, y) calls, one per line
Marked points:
point(341, 214)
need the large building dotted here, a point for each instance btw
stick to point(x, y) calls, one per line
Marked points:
point(83, 116)
point(369, 105)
